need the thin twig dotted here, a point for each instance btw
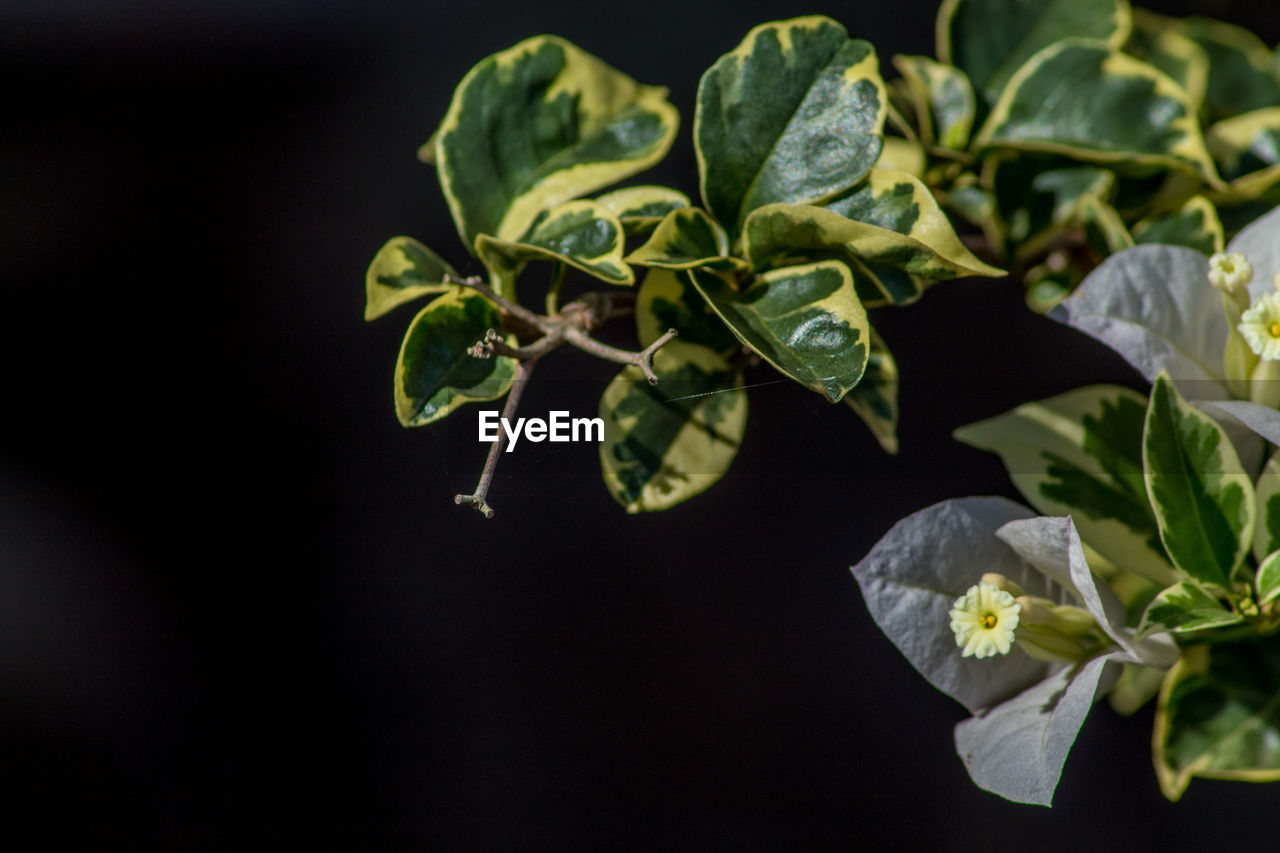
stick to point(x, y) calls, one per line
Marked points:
point(493, 344)
point(514, 309)
point(642, 359)
point(524, 367)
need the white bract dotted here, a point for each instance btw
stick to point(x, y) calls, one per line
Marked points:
point(1168, 308)
point(1027, 711)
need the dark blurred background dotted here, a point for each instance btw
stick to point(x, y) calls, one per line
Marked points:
point(238, 608)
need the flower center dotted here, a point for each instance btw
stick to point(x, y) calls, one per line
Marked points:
point(1274, 329)
point(988, 620)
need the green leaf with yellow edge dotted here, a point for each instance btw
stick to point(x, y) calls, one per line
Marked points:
point(686, 238)
point(1080, 454)
point(991, 39)
point(943, 98)
point(910, 230)
point(1218, 716)
point(875, 398)
point(902, 155)
point(1184, 607)
point(1202, 498)
point(878, 285)
point(667, 300)
point(1268, 580)
point(804, 320)
point(403, 270)
point(434, 373)
point(667, 442)
point(1091, 102)
point(1195, 225)
point(793, 114)
point(538, 124)
point(1171, 51)
point(582, 234)
point(640, 209)
point(1247, 149)
point(1240, 77)
point(1104, 230)
point(1266, 532)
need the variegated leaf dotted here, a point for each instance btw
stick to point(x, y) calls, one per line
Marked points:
point(582, 234)
point(1104, 230)
point(1219, 716)
point(1173, 52)
point(1247, 149)
point(640, 209)
point(665, 443)
point(1184, 607)
point(1195, 225)
point(943, 98)
point(685, 238)
point(793, 114)
point(805, 320)
point(434, 373)
point(538, 124)
point(1080, 454)
point(992, 39)
point(1240, 77)
point(875, 398)
point(1268, 580)
point(1202, 498)
point(1093, 103)
point(668, 300)
point(1266, 533)
point(902, 155)
point(403, 270)
point(913, 233)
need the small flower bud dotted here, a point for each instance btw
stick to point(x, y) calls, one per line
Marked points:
point(1230, 272)
point(1002, 583)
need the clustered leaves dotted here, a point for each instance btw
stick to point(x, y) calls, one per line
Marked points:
point(1175, 515)
point(1068, 130)
point(804, 227)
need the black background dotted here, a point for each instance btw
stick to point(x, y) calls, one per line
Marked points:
point(238, 609)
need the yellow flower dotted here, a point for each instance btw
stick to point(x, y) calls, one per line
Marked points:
point(1230, 272)
point(1260, 326)
point(984, 619)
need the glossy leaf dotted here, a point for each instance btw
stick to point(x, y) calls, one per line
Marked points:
point(1172, 52)
point(582, 234)
point(1266, 533)
point(685, 238)
point(1219, 716)
point(875, 398)
point(925, 243)
point(668, 300)
point(538, 124)
point(1105, 231)
point(1185, 607)
point(943, 98)
point(1247, 149)
point(992, 39)
point(1080, 454)
point(1195, 225)
point(1093, 103)
point(1268, 580)
point(912, 577)
point(1153, 305)
point(665, 443)
point(793, 114)
point(640, 209)
point(805, 320)
point(1240, 77)
point(1202, 498)
point(403, 270)
point(434, 374)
